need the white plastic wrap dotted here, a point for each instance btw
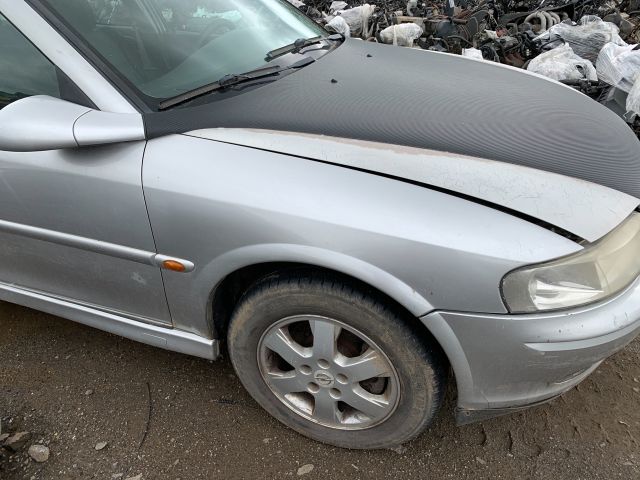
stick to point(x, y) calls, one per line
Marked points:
point(561, 63)
point(296, 3)
point(403, 34)
point(336, 6)
point(472, 53)
point(633, 100)
point(358, 20)
point(618, 65)
point(587, 37)
point(491, 34)
point(339, 25)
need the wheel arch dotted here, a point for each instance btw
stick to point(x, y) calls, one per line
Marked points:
point(236, 281)
point(243, 267)
point(248, 265)
point(230, 290)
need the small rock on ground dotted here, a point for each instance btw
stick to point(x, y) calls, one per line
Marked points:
point(100, 445)
point(400, 449)
point(39, 453)
point(137, 477)
point(16, 441)
point(303, 470)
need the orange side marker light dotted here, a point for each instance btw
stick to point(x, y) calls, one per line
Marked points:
point(173, 265)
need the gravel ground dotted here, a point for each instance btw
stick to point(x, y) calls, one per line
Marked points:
point(168, 416)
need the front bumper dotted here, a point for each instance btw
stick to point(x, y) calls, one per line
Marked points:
point(506, 362)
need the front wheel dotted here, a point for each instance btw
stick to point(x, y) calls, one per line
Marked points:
point(334, 363)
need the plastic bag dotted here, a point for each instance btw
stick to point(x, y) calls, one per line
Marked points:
point(339, 25)
point(586, 38)
point(472, 53)
point(296, 3)
point(633, 100)
point(618, 65)
point(403, 34)
point(336, 6)
point(358, 20)
point(562, 63)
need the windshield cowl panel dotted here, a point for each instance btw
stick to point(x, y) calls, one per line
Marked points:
point(165, 48)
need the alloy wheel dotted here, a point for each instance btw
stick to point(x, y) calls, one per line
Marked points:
point(328, 372)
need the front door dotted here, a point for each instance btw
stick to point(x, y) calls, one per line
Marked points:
point(63, 211)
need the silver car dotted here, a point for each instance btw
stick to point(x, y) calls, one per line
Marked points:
point(353, 221)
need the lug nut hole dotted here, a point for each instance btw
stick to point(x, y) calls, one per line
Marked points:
point(305, 369)
point(335, 393)
point(313, 388)
point(322, 363)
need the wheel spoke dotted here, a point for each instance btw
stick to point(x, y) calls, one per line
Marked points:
point(281, 343)
point(326, 408)
point(368, 365)
point(288, 382)
point(373, 406)
point(324, 339)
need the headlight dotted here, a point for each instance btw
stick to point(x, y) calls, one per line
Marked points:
point(600, 270)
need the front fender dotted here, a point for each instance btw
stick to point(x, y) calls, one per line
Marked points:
point(224, 207)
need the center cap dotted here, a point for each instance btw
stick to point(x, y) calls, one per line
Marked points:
point(323, 378)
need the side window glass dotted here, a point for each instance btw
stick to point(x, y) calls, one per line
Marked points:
point(112, 12)
point(24, 70)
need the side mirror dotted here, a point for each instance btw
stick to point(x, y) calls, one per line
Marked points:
point(40, 123)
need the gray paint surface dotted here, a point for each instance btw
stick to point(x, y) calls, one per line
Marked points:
point(226, 206)
point(138, 329)
point(559, 200)
point(509, 360)
point(41, 123)
point(435, 101)
point(53, 202)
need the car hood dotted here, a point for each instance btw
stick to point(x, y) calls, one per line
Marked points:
point(585, 209)
point(437, 102)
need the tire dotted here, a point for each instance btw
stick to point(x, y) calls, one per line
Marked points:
point(400, 402)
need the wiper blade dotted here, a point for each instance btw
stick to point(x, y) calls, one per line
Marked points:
point(298, 45)
point(230, 80)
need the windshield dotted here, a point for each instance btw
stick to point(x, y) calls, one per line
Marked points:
point(168, 47)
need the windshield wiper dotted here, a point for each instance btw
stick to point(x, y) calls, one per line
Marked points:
point(298, 45)
point(231, 80)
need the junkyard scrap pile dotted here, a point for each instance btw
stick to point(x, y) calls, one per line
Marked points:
point(590, 45)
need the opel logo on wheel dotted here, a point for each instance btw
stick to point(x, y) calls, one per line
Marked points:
point(322, 378)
